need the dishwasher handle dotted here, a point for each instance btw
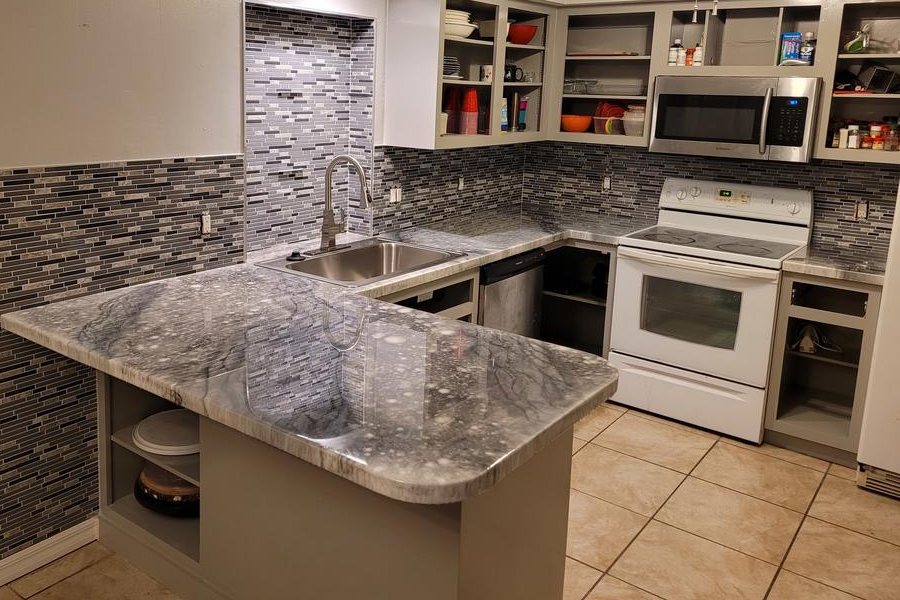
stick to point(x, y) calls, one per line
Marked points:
point(510, 267)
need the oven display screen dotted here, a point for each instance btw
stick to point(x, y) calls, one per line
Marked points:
point(724, 193)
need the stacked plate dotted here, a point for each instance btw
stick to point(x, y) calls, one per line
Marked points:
point(458, 23)
point(451, 68)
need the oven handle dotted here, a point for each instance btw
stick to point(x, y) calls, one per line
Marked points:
point(764, 123)
point(703, 266)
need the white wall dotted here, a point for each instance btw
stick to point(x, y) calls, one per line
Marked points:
point(110, 80)
point(880, 441)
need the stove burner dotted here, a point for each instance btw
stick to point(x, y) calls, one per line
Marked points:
point(748, 249)
point(670, 238)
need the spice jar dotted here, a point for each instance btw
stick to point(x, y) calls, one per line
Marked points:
point(866, 142)
point(892, 140)
point(853, 138)
point(877, 143)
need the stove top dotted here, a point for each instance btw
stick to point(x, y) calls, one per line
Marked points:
point(712, 245)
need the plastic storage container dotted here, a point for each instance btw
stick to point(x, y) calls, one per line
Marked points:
point(609, 125)
point(633, 121)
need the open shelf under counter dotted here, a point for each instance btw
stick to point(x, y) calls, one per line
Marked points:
point(182, 534)
point(187, 467)
point(813, 414)
point(582, 298)
point(824, 359)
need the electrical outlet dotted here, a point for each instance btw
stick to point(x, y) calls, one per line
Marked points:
point(462, 183)
point(862, 210)
point(205, 224)
point(607, 183)
point(396, 195)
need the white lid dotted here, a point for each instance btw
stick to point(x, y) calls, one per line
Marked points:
point(677, 40)
point(169, 433)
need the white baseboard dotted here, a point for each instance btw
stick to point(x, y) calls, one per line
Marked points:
point(44, 553)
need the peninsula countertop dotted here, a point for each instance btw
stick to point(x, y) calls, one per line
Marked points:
point(412, 406)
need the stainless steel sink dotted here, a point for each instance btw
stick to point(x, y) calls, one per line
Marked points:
point(364, 262)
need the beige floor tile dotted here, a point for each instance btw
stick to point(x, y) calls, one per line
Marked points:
point(598, 420)
point(625, 481)
point(843, 559)
point(654, 442)
point(113, 578)
point(764, 477)
point(577, 444)
point(8, 594)
point(675, 424)
point(783, 453)
point(677, 565)
point(598, 530)
point(732, 519)
point(841, 502)
point(789, 586)
point(842, 472)
point(579, 579)
point(611, 588)
point(59, 569)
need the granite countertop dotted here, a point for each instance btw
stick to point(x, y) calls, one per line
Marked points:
point(412, 406)
point(831, 264)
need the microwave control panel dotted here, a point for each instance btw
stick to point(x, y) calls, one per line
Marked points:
point(787, 121)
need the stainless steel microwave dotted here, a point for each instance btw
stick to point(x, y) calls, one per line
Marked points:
point(759, 118)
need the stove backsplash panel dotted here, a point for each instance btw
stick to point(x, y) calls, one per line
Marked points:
point(566, 178)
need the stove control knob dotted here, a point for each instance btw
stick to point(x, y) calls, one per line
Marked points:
point(681, 194)
point(793, 208)
point(696, 191)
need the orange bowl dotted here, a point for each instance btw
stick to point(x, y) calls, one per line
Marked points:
point(576, 123)
point(521, 34)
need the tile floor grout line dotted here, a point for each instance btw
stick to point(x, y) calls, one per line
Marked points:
point(639, 458)
point(794, 538)
point(631, 510)
point(676, 425)
point(650, 520)
point(739, 444)
point(67, 577)
point(845, 528)
point(830, 587)
point(793, 510)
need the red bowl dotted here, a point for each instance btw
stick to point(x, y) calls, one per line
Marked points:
point(521, 34)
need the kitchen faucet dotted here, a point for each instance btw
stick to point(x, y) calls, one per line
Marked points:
point(330, 228)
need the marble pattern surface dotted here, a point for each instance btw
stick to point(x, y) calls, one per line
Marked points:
point(412, 406)
point(835, 266)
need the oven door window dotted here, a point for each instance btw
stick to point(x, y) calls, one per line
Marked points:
point(689, 312)
point(707, 118)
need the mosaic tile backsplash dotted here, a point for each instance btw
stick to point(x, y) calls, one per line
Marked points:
point(69, 231)
point(309, 89)
point(492, 178)
point(566, 178)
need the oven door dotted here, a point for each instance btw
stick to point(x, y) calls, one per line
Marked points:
point(702, 315)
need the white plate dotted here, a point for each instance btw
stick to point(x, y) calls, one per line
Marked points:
point(169, 433)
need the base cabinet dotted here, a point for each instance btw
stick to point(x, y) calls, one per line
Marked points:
point(824, 337)
point(274, 526)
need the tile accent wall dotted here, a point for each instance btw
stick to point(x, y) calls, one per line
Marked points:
point(429, 180)
point(309, 88)
point(69, 231)
point(565, 178)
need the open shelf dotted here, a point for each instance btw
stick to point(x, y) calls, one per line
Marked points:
point(865, 96)
point(186, 467)
point(870, 56)
point(534, 84)
point(604, 97)
point(524, 47)
point(641, 57)
point(818, 411)
point(470, 41)
point(465, 82)
point(583, 298)
point(182, 534)
point(824, 359)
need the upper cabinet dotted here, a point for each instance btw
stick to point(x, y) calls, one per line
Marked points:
point(464, 73)
point(461, 73)
point(868, 53)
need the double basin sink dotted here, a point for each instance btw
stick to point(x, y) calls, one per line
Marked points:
point(363, 262)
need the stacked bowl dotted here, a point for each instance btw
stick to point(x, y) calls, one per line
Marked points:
point(458, 23)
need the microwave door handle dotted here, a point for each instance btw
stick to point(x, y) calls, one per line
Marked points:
point(764, 123)
point(698, 265)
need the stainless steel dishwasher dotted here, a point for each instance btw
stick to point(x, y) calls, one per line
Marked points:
point(510, 294)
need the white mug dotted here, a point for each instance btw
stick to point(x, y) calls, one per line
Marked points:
point(487, 73)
